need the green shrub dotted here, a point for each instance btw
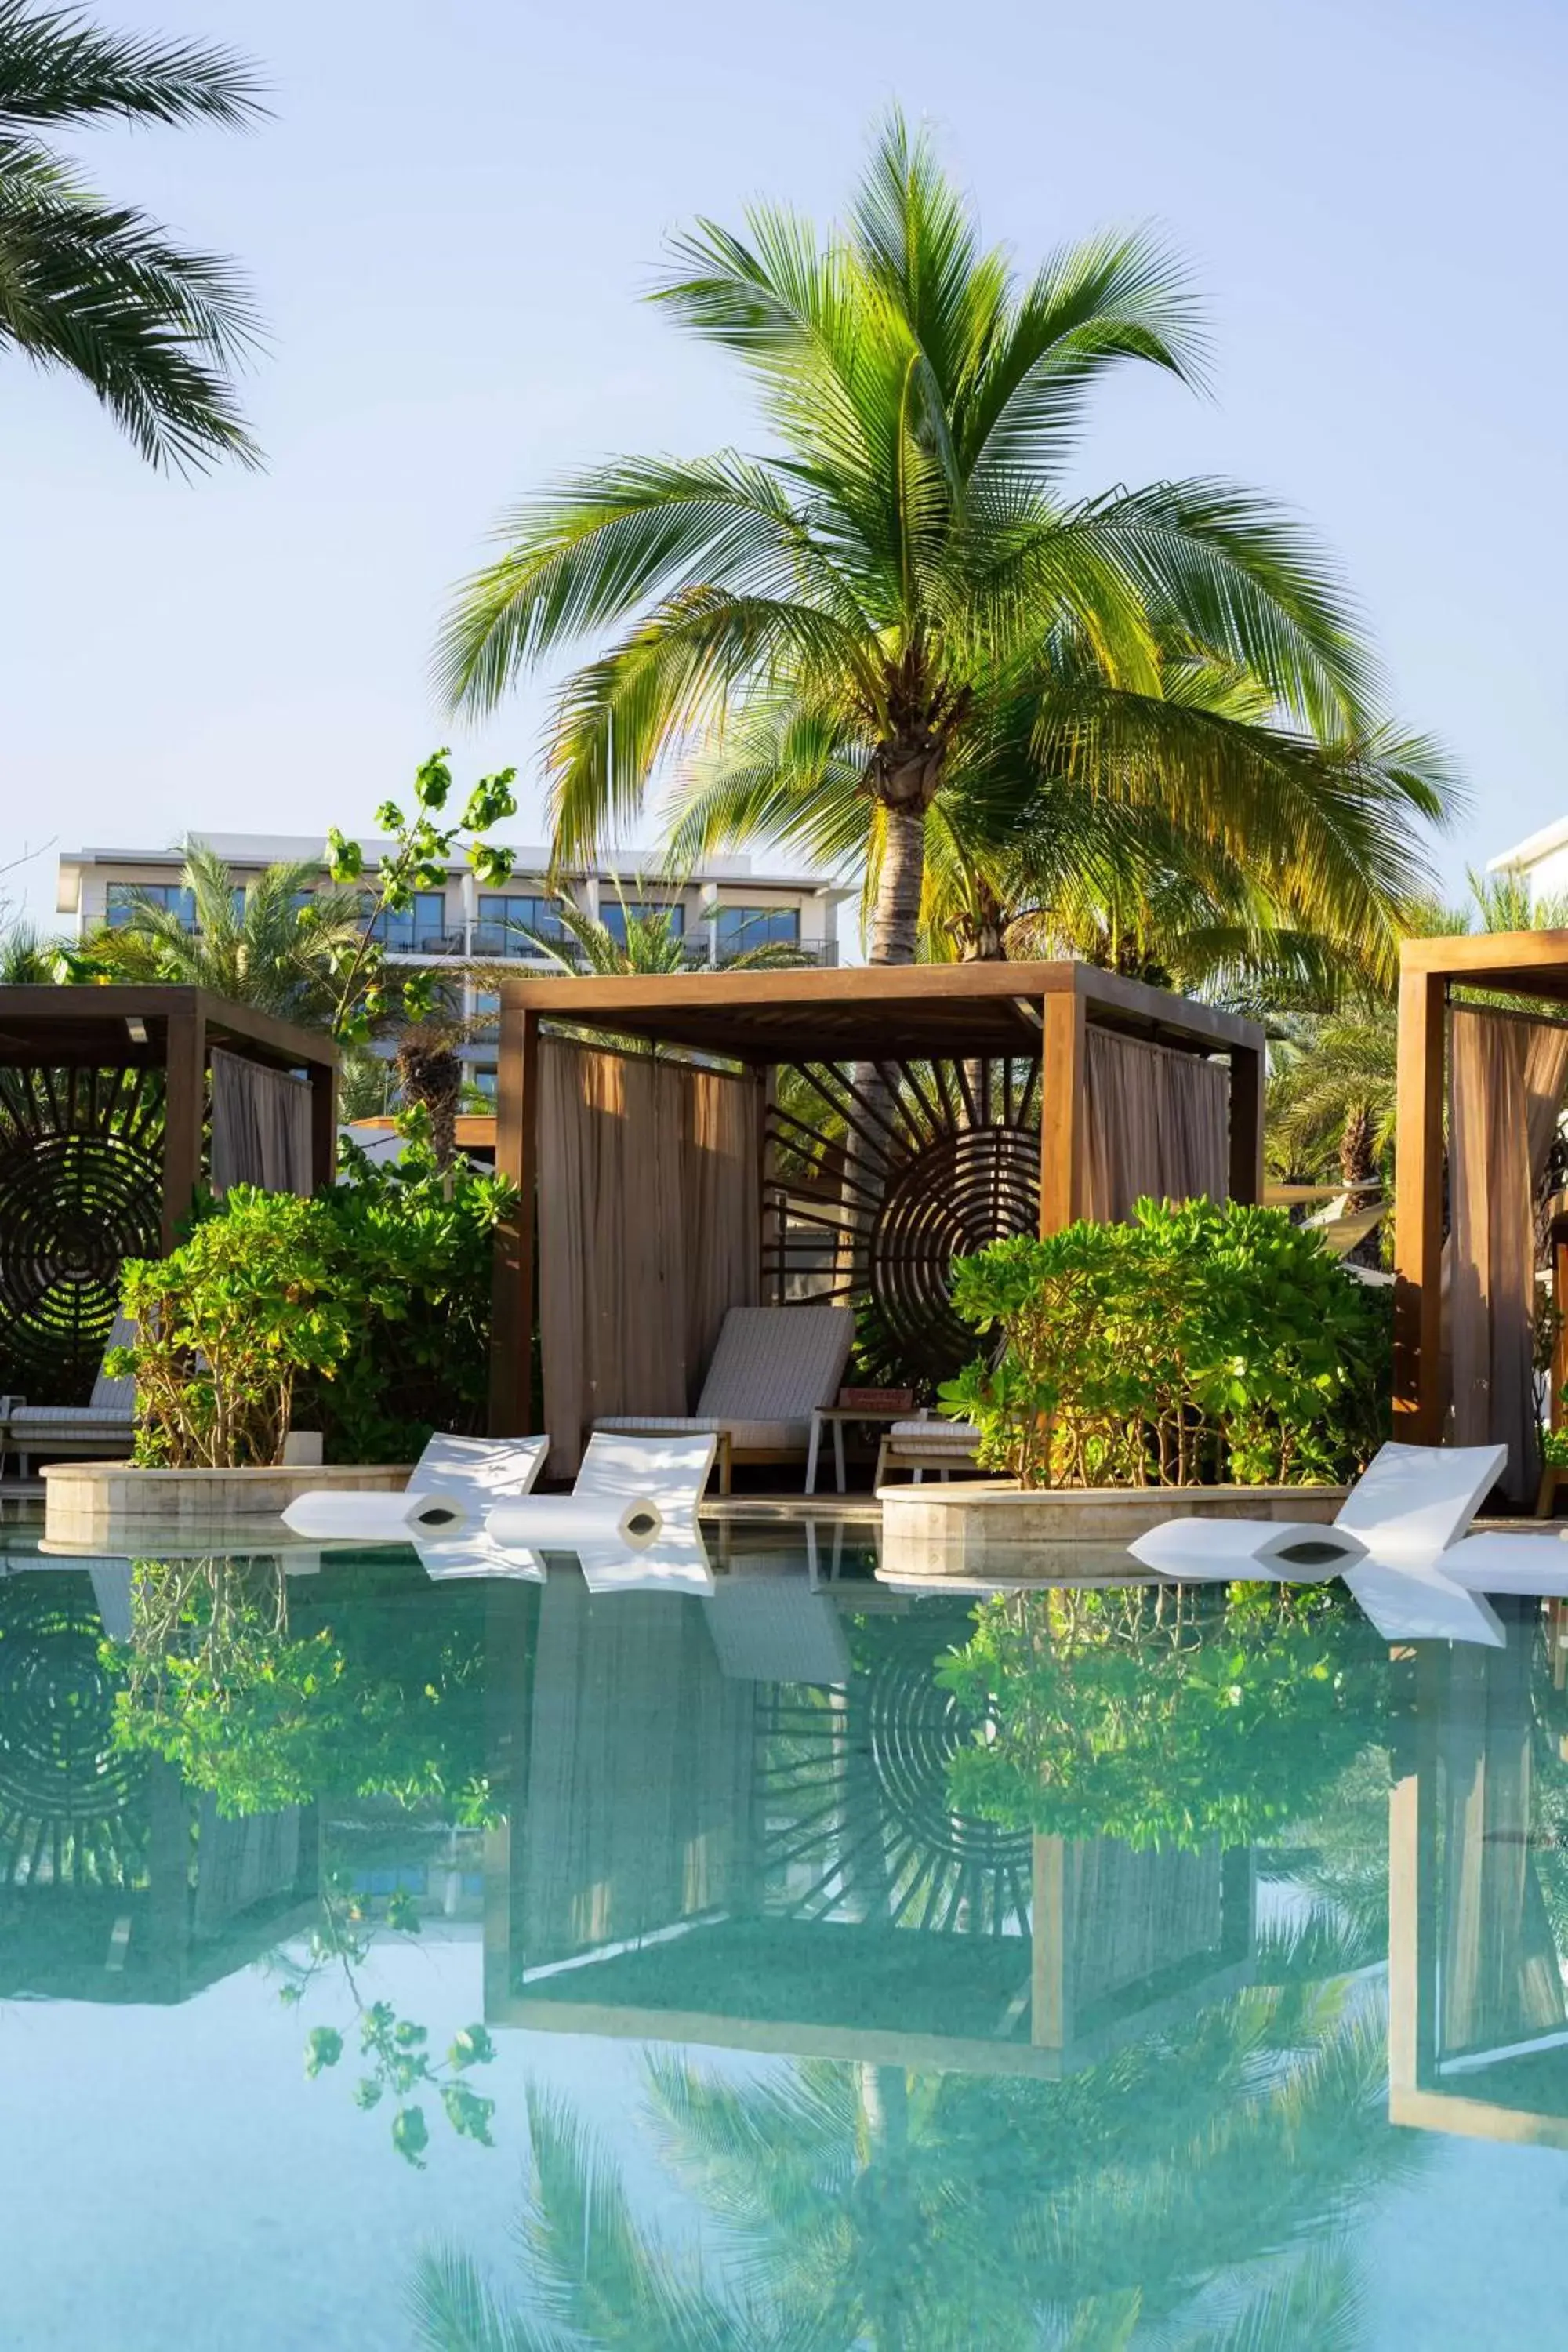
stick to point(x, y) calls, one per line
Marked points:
point(364, 1312)
point(227, 1326)
point(1194, 1343)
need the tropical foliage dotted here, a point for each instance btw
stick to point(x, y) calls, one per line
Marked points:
point(905, 609)
point(364, 1312)
point(276, 942)
point(1192, 1343)
point(97, 288)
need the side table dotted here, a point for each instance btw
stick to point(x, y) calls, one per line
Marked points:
point(836, 1415)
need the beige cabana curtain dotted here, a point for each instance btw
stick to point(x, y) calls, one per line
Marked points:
point(261, 1127)
point(649, 1182)
point(1158, 1126)
point(1506, 1078)
point(1501, 1978)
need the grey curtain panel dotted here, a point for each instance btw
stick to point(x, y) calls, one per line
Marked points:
point(1506, 1084)
point(650, 1185)
point(1158, 1126)
point(261, 1127)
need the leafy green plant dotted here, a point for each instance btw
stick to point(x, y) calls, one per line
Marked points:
point(1195, 1342)
point(227, 1327)
point(422, 844)
point(1163, 1715)
point(365, 1312)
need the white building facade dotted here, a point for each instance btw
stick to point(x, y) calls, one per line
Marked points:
point(723, 911)
point(1540, 860)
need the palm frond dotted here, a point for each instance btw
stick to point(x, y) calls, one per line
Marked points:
point(57, 67)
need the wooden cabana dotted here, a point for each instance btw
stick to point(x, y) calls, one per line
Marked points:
point(1482, 1079)
point(115, 1102)
point(851, 1132)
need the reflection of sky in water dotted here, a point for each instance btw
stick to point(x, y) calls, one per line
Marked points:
point(700, 1835)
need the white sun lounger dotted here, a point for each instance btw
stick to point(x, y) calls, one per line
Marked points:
point(1535, 1565)
point(1417, 1601)
point(461, 1477)
point(634, 1498)
point(773, 1368)
point(1411, 1503)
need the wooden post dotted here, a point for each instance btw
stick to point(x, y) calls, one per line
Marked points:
point(1246, 1123)
point(1049, 2019)
point(1418, 1210)
point(1560, 1301)
point(1064, 1053)
point(184, 1106)
point(511, 1307)
point(773, 1219)
point(323, 1125)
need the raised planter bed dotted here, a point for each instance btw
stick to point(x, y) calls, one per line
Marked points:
point(971, 1526)
point(113, 1504)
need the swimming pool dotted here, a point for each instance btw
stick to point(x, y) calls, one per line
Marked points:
point(798, 1961)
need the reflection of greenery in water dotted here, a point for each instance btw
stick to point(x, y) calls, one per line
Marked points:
point(395, 2060)
point(1194, 2192)
point(230, 1678)
point(227, 1677)
point(1160, 1715)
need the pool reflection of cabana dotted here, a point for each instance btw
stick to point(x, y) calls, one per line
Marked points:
point(116, 1883)
point(1478, 2025)
point(700, 1851)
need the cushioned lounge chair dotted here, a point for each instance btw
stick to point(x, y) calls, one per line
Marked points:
point(773, 1367)
point(930, 1444)
point(102, 1429)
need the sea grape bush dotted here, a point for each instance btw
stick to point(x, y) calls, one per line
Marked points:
point(1194, 1343)
point(364, 1312)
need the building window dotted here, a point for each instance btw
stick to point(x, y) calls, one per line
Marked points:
point(504, 921)
point(743, 928)
point(173, 896)
point(615, 916)
point(484, 1079)
point(418, 929)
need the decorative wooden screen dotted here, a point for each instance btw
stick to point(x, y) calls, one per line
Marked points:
point(879, 1176)
point(80, 1190)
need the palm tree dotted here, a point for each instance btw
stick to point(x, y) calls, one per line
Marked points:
point(277, 943)
point(26, 958)
point(905, 601)
point(98, 287)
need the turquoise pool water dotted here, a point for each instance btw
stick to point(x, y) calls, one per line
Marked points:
point(802, 1962)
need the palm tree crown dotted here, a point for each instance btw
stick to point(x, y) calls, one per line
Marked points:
point(276, 945)
point(903, 601)
point(96, 287)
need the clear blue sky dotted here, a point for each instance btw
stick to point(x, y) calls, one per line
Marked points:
point(448, 225)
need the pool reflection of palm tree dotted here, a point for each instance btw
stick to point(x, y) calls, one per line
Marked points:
point(1194, 2190)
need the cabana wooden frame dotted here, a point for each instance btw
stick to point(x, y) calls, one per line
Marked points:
point(1530, 964)
point(1015, 1032)
point(104, 1095)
